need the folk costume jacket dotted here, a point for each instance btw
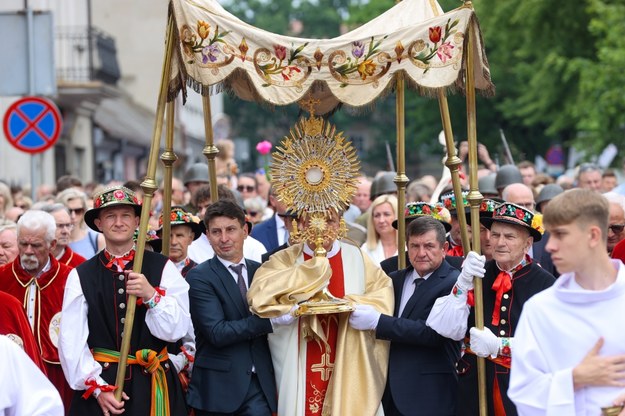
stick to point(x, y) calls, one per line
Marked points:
point(94, 310)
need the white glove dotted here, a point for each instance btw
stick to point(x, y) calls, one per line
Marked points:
point(473, 266)
point(178, 360)
point(364, 318)
point(286, 319)
point(484, 342)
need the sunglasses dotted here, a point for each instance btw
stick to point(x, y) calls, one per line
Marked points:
point(253, 213)
point(246, 188)
point(76, 211)
point(616, 228)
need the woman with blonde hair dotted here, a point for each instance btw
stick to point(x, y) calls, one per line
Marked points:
point(381, 236)
point(84, 240)
point(6, 199)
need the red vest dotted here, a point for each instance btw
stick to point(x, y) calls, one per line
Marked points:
point(48, 301)
point(71, 258)
point(14, 324)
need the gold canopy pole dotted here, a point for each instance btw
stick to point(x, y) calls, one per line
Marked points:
point(401, 180)
point(210, 150)
point(453, 162)
point(168, 158)
point(148, 186)
point(475, 199)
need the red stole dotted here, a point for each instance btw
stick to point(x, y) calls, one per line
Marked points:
point(71, 258)
point(48, 301)
point(47, 313)
point(319, 356)
point(14, 324)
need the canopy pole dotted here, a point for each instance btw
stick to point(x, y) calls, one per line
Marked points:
point(210, 150)
point(475, 199)
point(168, 158)
point(401, 180)
point(148, 186)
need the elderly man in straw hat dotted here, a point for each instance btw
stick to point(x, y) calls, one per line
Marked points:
point(94, 309)
point(510, 279)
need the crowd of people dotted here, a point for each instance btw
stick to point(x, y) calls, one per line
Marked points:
point(218, 328)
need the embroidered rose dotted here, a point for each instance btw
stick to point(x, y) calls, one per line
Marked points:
point(444, 51)
point(426, 209)
point(119, 195)
point(435, 33)
point(98, 203)
point(520, 214)
point(289, 71)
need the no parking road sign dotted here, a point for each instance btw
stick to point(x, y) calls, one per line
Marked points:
point(32, 124)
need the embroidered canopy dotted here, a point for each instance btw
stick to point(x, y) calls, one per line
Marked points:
point(216, 50)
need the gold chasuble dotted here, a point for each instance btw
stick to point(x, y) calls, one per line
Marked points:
point(322, 365)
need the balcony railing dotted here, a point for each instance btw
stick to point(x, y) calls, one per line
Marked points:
point(84, 55)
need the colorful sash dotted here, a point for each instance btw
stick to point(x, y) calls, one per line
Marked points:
point(151, 362)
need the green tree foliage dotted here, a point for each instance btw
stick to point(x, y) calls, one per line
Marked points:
point(601, 109)
point(558, 71)
point(557, 67)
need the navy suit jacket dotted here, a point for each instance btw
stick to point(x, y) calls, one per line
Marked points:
point(390, 265)
point(542, 256)
point(229, 341)
point(422, 376)
point(267, 233)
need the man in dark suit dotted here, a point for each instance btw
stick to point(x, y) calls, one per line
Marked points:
point(273, 232)
point(233, 373)
point(422, 376)
point(420, 209)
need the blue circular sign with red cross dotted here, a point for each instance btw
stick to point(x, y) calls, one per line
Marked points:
point(32, 124)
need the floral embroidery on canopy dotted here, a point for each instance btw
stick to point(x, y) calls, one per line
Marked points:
point(209, 49)
point(217, 50)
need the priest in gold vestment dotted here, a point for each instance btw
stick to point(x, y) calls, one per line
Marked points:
point(322, 365)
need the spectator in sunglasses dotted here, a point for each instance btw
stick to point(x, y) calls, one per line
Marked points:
point(616, 219)
point(248, 186)
point(84, 241)
point(255, 207)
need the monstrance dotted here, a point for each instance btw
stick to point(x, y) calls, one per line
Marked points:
point(314, 171)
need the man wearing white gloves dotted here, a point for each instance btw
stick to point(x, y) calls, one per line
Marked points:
point(422, 378)
point(510, 279)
